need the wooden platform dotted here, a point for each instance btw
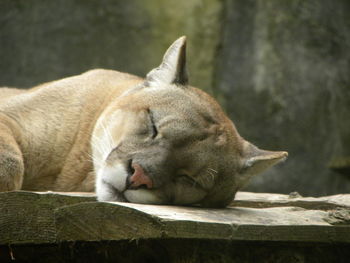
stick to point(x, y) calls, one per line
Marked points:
point(33, 219)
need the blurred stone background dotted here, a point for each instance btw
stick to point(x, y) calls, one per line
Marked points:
point(280, 68)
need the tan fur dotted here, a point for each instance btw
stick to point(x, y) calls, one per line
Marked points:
point(59, 135)
point(53, 124)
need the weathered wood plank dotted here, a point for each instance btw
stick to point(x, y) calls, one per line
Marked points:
point(117, 221)
point(104, 221)
point(263, 200)
point(27, 217)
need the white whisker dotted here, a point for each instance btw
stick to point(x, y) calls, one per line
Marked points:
point(211, 169)
point(211, 174)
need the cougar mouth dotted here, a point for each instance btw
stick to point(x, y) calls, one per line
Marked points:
point(117, 195)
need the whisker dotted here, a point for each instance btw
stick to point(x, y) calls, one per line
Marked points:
point(108, 134)
point(211, 175)
point(103, 144)
point(211, 169)
point(97, 144)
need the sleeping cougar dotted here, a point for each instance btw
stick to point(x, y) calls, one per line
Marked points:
point(155, 140)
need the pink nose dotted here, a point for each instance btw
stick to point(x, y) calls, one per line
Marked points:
point(139, 177)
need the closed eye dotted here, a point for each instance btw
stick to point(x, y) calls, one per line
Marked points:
point(153, 126)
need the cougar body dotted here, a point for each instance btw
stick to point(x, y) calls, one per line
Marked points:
point(155, 140)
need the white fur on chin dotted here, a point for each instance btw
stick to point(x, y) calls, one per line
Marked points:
point(143, 196)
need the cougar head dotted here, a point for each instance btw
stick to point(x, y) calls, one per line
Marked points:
point(166, 142)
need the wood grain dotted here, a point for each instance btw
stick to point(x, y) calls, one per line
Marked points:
point(34, 217)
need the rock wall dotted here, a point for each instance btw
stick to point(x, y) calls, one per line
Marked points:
point(279, 68)
point(46, 40)
point(284, 77)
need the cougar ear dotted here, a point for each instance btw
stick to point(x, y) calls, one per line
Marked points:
point(172, 70)
point(256, 161)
